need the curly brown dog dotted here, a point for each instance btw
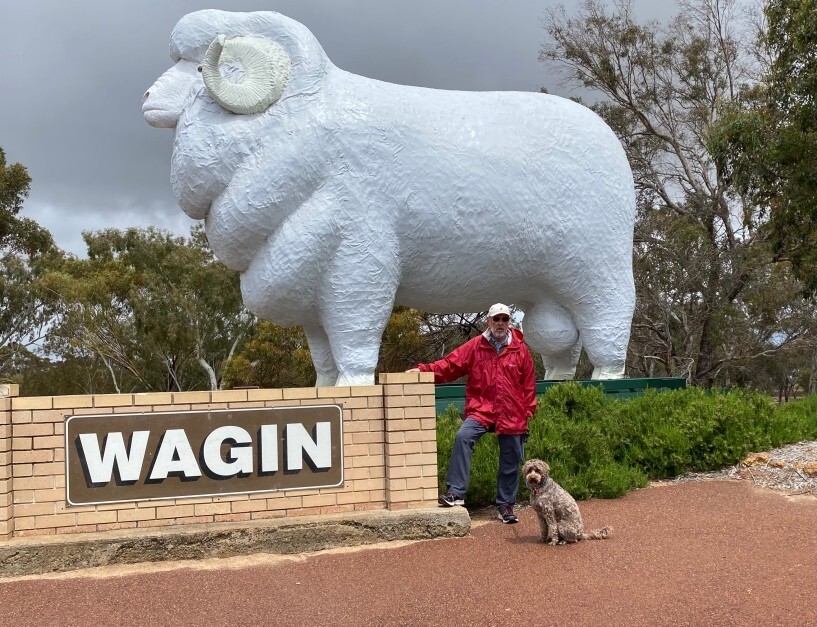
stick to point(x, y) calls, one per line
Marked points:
point(559, 517)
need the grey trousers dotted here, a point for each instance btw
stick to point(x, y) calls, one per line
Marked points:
point(511, 452)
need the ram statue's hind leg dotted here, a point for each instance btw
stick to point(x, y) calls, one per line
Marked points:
point(356, 353)
point(550, 331)
point(356, 349)
point(356, 338)
point(322, 359)
point(605, 338)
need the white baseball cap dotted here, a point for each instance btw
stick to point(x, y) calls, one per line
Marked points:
point(497, 309)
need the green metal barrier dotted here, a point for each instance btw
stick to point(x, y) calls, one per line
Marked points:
point(447, 394)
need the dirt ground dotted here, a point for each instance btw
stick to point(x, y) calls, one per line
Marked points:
point(698, 553)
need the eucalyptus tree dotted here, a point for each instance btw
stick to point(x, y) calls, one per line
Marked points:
point(700, 256)
point(25, 247)
point(766, 140)
point(26, 312)
point(272, 357)
point(18, 235)
point(159, 311)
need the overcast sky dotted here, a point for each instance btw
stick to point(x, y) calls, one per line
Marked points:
point(73, 73)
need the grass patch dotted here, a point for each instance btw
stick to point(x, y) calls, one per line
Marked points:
point(601, 447)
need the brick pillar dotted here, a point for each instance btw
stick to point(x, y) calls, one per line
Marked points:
point(7, 392)
point(411, 440)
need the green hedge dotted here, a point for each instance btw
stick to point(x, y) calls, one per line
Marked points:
point(598, 447)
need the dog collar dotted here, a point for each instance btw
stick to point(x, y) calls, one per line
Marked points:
point(537, 489)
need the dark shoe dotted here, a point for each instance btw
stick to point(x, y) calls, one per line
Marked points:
point(506, 514)
point(449, 499)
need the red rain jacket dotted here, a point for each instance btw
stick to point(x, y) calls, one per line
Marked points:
point(501, 389)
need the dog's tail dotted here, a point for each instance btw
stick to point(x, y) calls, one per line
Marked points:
point(601, 534)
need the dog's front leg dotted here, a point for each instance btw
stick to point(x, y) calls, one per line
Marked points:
point(543, 527)
point(552, 534)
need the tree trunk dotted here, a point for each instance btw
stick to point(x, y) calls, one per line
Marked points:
point(211, 374)
point(706, 348)
point(705, 366)
point(812, 377)
point(110, 371)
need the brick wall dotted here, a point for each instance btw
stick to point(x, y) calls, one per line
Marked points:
point(6, 497)
point(390, 457)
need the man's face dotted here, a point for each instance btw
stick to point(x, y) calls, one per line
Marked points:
point(499, 325)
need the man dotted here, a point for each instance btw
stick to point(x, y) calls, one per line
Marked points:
point(500, 396)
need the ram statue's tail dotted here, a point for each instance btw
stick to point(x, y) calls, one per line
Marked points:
point(601, 534)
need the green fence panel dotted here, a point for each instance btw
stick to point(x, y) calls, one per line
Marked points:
point(448, 394)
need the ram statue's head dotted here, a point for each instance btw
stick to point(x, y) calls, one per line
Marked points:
point(236, 59)
point(242, 74)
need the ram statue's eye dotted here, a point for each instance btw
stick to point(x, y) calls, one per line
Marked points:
point(199, 68)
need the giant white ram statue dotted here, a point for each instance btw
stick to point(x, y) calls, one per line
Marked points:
point(337, 196)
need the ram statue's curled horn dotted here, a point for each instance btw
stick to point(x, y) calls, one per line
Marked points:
point(266, 69)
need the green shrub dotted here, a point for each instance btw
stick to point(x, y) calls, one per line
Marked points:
point(601, 447)
point(794, 421)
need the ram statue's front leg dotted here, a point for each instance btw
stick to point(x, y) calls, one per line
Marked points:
point(356, 300)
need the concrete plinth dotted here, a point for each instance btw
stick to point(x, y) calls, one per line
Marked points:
point(36, 555)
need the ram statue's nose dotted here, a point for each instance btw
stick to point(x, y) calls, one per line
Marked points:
point(163, 102)
point(159, 112)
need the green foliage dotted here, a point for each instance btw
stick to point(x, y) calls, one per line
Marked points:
point(18, 234)
point(25, 311)
point(766, 141)
point(273, 357)
point(160, 312)
point(72, 375)
point(670, 433)
point(602, 448)
point(571, 431)
point(25, 248)
point(794, 421)
point(403, 345)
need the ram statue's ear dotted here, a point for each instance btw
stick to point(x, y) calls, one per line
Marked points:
point(266, 68)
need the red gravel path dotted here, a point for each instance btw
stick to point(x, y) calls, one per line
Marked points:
point(709, 553)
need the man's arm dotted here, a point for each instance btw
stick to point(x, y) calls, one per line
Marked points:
point(529, 384)
point(453, 366)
